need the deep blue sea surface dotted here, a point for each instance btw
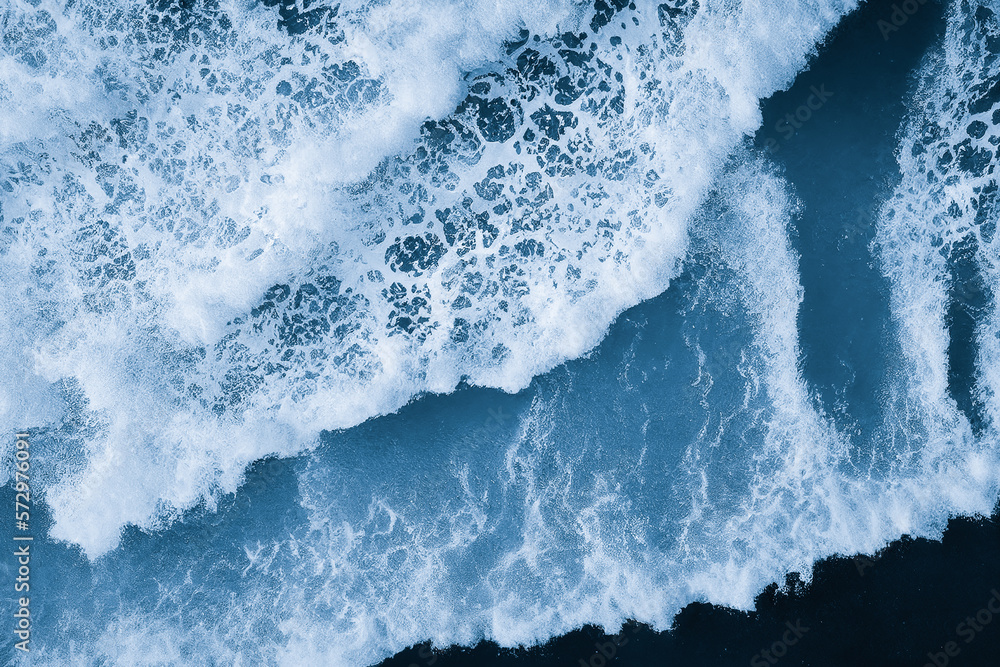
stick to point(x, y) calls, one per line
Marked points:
point(345, 333)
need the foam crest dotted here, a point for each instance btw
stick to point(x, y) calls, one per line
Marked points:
point(237, 224)
point(415, 533)
point(936, 236)
point(685, 459)
point(726, 477)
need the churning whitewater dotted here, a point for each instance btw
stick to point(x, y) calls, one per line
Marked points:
point(503, 293)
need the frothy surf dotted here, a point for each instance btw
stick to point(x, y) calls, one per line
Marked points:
point(210, 271)
point(225, 235)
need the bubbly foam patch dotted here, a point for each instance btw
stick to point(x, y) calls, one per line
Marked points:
point(231, 227)
point(414, 527)
point(685, 459)
point(943, 213)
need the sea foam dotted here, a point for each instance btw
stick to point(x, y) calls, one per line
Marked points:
point(226, 235)
point(685, 459)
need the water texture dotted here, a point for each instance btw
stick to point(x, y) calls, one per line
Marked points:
point(344, 327)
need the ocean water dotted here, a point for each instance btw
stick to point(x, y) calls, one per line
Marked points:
point(340, 328)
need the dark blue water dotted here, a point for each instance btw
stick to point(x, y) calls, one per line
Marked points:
point(903, 607)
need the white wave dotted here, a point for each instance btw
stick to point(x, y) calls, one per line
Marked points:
point(207, 283)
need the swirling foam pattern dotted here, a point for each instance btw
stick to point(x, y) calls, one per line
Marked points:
point(234, 231)
point(228, 227)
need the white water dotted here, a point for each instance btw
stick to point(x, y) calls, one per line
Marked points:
point(162, 177)
point(574, 514)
